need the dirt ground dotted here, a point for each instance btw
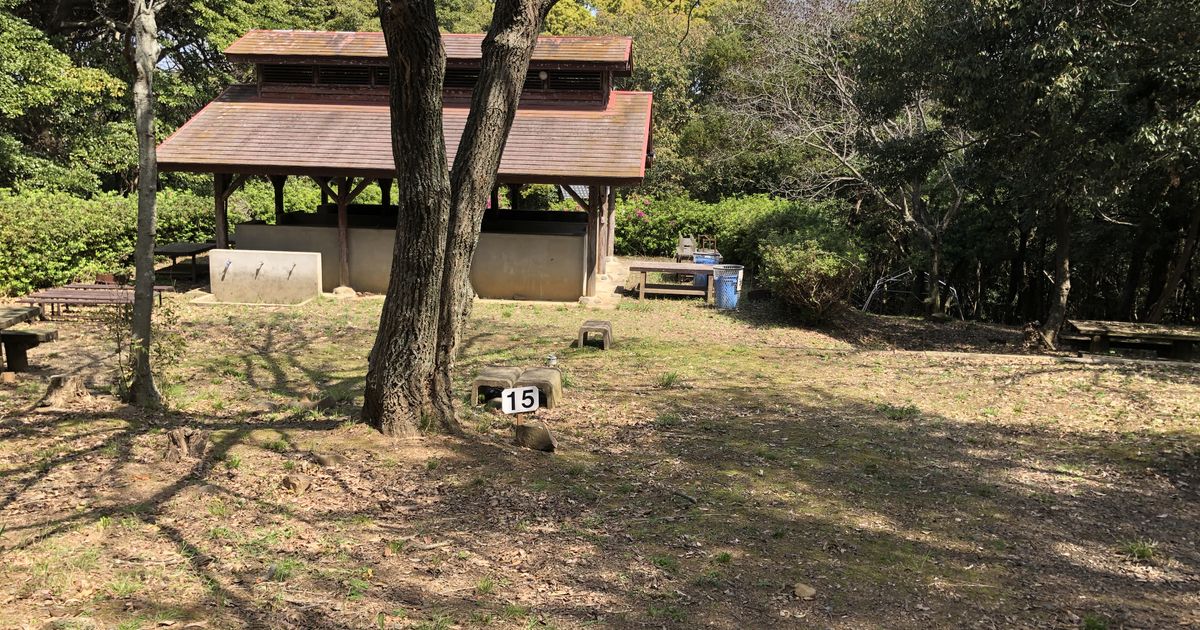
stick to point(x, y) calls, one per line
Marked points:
point(714, 470)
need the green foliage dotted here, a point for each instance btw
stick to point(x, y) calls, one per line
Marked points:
point(810, 272)
point(651, 227)
point(49, 238)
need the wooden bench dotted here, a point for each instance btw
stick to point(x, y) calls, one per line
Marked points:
point(601, 327)
point(87, 294)
point(18, 342)
point(645, 268)
point(175, 251)
point(1176, 342)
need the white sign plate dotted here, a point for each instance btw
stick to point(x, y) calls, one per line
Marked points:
point(519, 399)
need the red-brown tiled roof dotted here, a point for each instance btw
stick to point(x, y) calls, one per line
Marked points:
point(261, 45)
point(242, 132)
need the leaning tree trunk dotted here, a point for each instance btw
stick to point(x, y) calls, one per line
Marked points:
point(142, 390)
point(507, 49)
point(400, 373)
point(1062, 275)
point(1178, 267)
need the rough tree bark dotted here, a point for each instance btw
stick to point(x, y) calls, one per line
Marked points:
point(144, 31)
point(429, 296)
point(1062, 275)
point(397, 398)
point(1178, 266)
point(507, 49)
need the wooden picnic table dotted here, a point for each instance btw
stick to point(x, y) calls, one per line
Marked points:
point(1178, 341)
point(87, 294)
point(646, 267)
point(11, 315)
point(178, 250)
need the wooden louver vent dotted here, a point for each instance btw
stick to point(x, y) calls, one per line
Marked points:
point(344, 75)
point(578, 81)
point(287, 74)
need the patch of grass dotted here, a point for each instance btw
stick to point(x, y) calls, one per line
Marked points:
point(432, 463)
point(283, 569)
point(356, 588)
point(668, 420)
point(485, 586)
point(1140, 550)
point(278, 446)
point(669, 612)
point(398, 546)
point(708, 579)
point(892, 412)
point(1093, 622)
point(232, 462)
point(220, 533)
point(723, 558)
point(218, 508)
point(669, 380)
point(516, 611)
point(124, 586)
point(666, 563)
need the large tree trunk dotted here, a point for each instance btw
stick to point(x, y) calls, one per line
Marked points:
point(1178, 267)
point(397, 397)
point(1062, 275)
point(507, 49)
point(142, 390)
point(429, 296)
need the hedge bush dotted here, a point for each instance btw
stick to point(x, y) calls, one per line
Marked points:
point(803, 251)
point(50, 238)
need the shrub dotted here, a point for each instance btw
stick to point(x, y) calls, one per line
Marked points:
point(651, 227)
point(49, 238)
point(802, 251)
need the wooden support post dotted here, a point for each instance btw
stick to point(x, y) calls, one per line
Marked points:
point(593, 238)
point(495, 198)
point(602, 235)
point(324, 183)
point(343, 223)
point(221, 207)
point(277, 181)
point(385, 193)
point(612, 222)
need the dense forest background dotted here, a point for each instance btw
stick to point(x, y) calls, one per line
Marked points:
point(1024, 154)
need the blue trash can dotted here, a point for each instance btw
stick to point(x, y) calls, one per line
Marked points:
point(728, 281)
point(704, 258)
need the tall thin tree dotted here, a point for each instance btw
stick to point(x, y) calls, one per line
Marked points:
point(144, 50)
point(408, 386)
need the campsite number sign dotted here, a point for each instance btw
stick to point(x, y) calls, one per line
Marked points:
point(519, 399)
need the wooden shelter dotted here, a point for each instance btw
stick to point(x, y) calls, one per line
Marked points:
point(319, 109)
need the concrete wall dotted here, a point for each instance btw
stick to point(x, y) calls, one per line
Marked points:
point(250, 276)
point(511, 266)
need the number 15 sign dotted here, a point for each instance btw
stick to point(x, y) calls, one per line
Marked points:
point(519, 399)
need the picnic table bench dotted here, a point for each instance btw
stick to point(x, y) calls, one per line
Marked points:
point(647, 267)
point(11, 315)
point(87, 294)
point(1176, 342)
point(175, 251)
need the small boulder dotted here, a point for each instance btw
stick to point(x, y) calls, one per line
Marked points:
point(328, 403)
point(297, 483)
point(329, 459)
point(804, 591)
point(8, 378)
point(344, 293)
point(534, 435)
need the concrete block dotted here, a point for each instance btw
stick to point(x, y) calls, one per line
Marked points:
point(547, 380)
point(495, 378)
point(600, 327)
point(252, 276)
